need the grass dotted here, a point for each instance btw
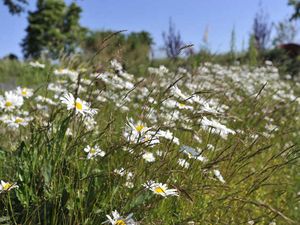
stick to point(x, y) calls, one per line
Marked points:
point(252, 139)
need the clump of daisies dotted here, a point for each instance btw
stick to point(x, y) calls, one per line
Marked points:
point(117, 219)
point(80, 106)
point(94, 151)
point(73, 75)
point(160, 189)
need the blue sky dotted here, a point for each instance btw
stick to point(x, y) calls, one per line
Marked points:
point(190, 16)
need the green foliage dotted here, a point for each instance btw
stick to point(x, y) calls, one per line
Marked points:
point(133, 49)
point(286, 32)
point(15, 6)
point(233, 45)
point(252, 52)
point(286, 64)
point(59, 185)
point(53, 28)
point(296, 5)
point(15, 73)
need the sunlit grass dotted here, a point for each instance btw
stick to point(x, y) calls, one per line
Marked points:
point(238, 144)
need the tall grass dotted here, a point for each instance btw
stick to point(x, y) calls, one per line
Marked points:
point(243, 125)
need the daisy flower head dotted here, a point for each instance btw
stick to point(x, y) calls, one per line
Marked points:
point(117, 219)
point(160, 189)
point(36, 64)
point(184, 106)
point(80, 106)
point(16, 121)
point(149, 156)
point(25, 92)
point(7, 186)
point(94, 151)
point(136, 132)
point(73, 75)
point(138, 128)
point(11, 100)
point(168, 135)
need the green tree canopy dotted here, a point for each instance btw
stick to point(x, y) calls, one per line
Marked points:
point(296, 5)
point(15, 6)
point(53, 28)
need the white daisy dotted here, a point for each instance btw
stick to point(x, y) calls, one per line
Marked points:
point(138, 128)
point(120, 171)
point(94, 151)
point(117, 219)
point(149, 157)
point(168, 135)
point(135, 133)
point(216, 127)
point(7, 186)
point(73, 75)
point(25, 92)
point(80, 106)
point(160, 189)
point(16, 121)
point(10, 101)
point(184, 106)
point(36, 64)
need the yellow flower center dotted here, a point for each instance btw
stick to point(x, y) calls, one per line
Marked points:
point(6, 186)
point(93, 151)
point(159, 190)
point(8, 103)
point(24, 92)
point(139, 127)
point(19, 120)
point(181, 105)
point(78, 105)
point(120, 222)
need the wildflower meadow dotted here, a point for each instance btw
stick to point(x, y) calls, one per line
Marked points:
point(209, 144)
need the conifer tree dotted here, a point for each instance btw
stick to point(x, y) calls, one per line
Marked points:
point(233, 45)
point(53, 28)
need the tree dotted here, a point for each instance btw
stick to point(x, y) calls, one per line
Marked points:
point(133, 48)
point(261, 30)
point(296, 5)
point(286, 32)
point(72, 30)
point(172, 41)
point(53, 27)
point(233, 45)
point(138, 47)
point(15, 6)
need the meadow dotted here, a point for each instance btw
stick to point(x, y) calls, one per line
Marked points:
point(210, 144)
